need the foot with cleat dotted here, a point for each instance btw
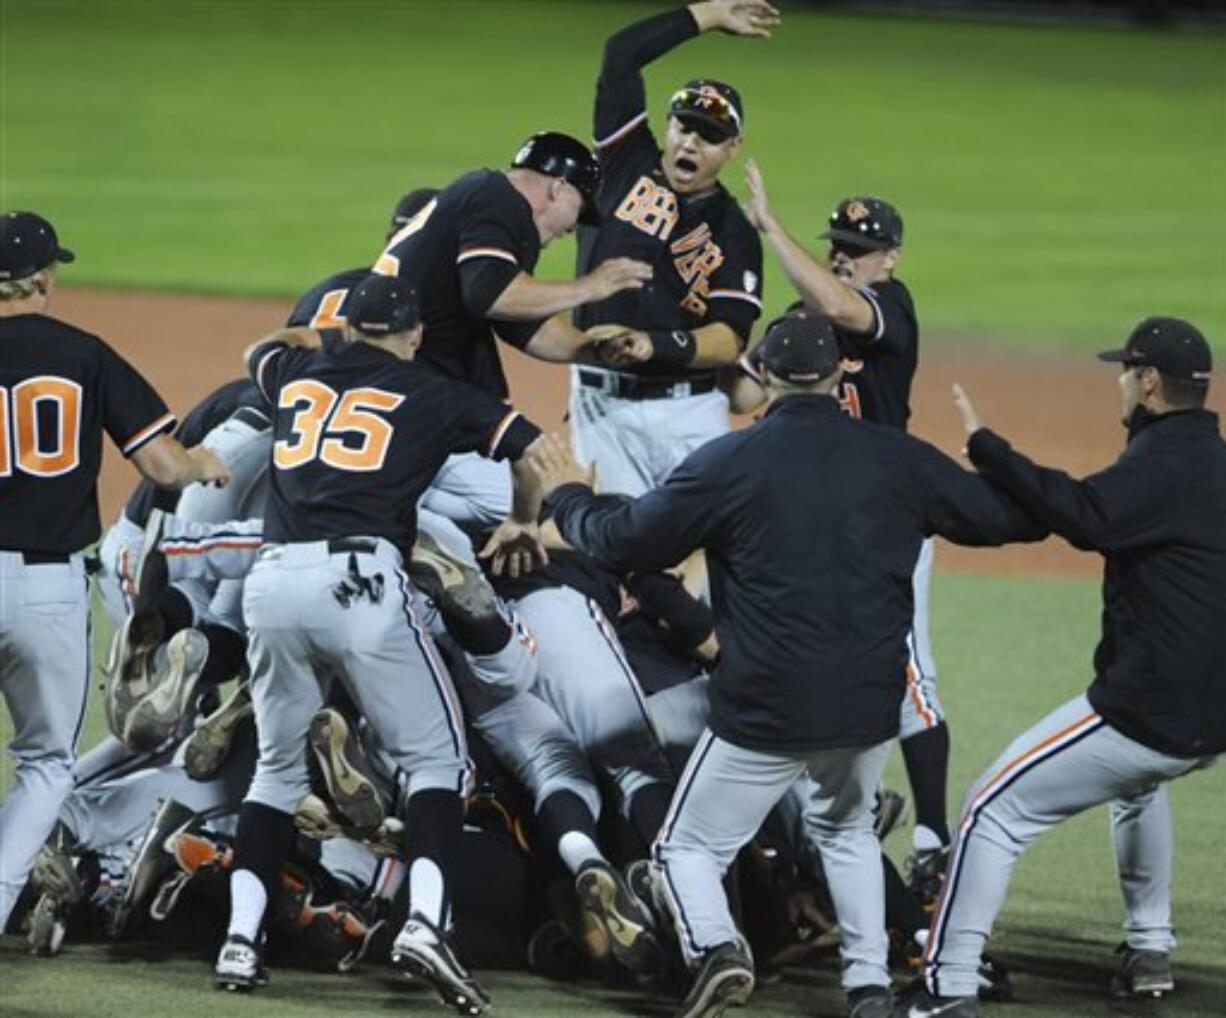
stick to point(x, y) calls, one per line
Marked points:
point(240, 965)
point(608, 901)
point(346, 771)
point(424, 952)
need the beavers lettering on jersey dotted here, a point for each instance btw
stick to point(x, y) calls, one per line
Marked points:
point(60, 388)
point(359, 435)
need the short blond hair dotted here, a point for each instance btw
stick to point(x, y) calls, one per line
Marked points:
point(19, 289)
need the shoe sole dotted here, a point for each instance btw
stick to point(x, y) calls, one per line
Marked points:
point(450, 583)
point(54, 875)
point(142, 597)
point(1157, 988)
point(209, 745)
point(126, 667)
point(165, 705)
point(47, 929)
point(632, 941)
point(455, 994)
point(727, 989)
point(351, 789)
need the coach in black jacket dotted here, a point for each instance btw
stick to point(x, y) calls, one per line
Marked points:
point(1157, 706)
point(811, 523)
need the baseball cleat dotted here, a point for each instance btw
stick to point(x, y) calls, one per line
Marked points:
point(166, 708)
point(924, 1005)
point(454, 585)
point(870, 1002)
point(130, 668)
point(209, 745)
point(314, 819)
point(725, 980)
point(1142, 973)
point(889, 811)
point(154, 862)
point(54, 872)
point(926, 874)
point(149, 576)
point(240, 965)
point(420, 950)
point(609, 902)
point(193, 853)
point(346, 771)
point(48, 926)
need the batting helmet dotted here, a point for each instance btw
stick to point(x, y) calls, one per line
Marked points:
point(560, 155)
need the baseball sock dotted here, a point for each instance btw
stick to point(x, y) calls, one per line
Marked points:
point(927, 758)
point(227, 652)
point(648, 808)
point(434, 818)
point(566, 823)
point(265, 837)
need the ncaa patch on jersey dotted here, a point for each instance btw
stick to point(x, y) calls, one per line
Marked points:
point(750, 280)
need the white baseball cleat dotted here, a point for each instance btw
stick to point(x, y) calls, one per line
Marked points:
point(420, 950)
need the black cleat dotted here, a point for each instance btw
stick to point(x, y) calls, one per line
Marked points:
point(1142, 973)
point(725, 980)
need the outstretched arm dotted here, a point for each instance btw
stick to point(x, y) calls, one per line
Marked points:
point(818, 287)
point(526, 298)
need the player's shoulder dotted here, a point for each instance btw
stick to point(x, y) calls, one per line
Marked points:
point(58, 343)
point(893, 289)
point(49, 328)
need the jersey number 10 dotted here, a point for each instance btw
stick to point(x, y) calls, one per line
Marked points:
point(22, 444)
point(321, 414)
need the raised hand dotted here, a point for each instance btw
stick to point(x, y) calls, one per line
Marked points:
point(751, 18)
point(970, 416)
point(757, 208)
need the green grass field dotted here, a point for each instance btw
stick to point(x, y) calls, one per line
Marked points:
point(1058, 183)
point(1008, 651)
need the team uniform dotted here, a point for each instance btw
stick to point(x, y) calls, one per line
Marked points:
point(60, 388)
point(636, 424)
point(1157, 706)
point(358, 435)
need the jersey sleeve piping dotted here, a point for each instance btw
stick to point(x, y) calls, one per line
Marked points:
point(163, 424)
point(622, 131)
point(736, 295)
point(487, 252)
point(500, 433)
point(878, 329)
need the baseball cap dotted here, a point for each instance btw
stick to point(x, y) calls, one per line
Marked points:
point(411, 204)
point(864, 221)
point(559, 155)
point(715, 104)
point(800, 347)
point(382, 305)
point(1171, 345)
point(27, 244)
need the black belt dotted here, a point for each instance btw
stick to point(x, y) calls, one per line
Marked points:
point(251, 417)
point(44, 558)
point(640, 387)
point(341, 545)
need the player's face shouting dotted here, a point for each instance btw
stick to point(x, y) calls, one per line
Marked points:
point(691, 162)
point(861, 268)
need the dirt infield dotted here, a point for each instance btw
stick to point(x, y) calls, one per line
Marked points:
point(1061, 412)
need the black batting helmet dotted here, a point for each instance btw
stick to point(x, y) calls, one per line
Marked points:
point(560, 155)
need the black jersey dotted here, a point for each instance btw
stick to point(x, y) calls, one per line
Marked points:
point(323, 305)
point(460, 252)
point(564, 569)
point(218, 406)
point(359, 435)
point(881, 363)
point(707, 259)
point(60, 388)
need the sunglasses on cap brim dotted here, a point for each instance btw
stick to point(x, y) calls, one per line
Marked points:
point(843, 247)
point(706, 103)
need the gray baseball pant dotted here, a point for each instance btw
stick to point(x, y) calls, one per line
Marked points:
point(44, 677)
point(1070, 761)
point(724, 796)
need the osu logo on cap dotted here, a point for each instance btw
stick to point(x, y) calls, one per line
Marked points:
point(857, 211)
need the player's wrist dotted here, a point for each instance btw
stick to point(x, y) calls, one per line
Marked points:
point(675, 348)
point(706, 16)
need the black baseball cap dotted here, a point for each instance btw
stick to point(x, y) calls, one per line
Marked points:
point(382, 305)
point(1171, 345)
point(559, 155)
point(714, 104)
point(411, 204)
point(800, 347)
point(28, 244)
point(864, 221)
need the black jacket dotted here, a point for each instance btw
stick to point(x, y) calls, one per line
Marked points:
point(812, 523)
point(1158, 515)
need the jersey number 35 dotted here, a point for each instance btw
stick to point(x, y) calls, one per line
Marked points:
point(322, 416)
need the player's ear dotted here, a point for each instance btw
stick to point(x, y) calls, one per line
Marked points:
point(891, 259)
point(734, 146)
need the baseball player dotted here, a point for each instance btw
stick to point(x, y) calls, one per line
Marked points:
point(1156, 709)
point(60, 388)
point(875, 318)
point(360, 430)
point(811, 613)
point(667, 207)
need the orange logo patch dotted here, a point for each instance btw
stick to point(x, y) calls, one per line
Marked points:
point(857, 211)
